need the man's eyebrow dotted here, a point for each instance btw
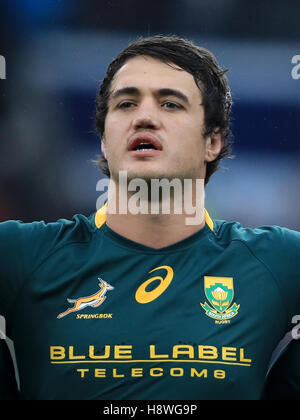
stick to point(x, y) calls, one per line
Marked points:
point(173, 92)
point(131, 90)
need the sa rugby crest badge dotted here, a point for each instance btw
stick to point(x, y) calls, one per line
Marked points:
point(219, 292)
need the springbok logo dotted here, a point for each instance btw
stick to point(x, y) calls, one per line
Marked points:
point(94, 300)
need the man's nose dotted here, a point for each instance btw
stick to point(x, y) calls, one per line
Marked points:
point(146, 117)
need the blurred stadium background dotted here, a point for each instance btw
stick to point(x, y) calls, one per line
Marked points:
point(57, 53)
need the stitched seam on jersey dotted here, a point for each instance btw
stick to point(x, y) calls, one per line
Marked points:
point(270, 271)
point(31, 273)
point(216, 231)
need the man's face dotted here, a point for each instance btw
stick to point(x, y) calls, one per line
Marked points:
point(155, 122)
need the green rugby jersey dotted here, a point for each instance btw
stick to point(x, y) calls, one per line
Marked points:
point(8, 384)
point(283, 380)
point(94, 315)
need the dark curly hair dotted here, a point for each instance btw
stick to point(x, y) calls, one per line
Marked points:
point(208, 75)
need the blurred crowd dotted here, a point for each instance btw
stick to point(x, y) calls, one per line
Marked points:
point(57, 52)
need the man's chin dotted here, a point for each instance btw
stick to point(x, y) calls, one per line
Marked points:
point(131, 175)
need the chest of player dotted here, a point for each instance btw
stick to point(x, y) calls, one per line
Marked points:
point(199, 320)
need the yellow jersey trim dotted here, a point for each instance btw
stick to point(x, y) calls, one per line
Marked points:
point(100, 218)
point(208, 220)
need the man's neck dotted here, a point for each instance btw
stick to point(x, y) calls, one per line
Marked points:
point(154, 230)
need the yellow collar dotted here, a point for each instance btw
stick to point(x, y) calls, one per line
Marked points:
point(100, 218)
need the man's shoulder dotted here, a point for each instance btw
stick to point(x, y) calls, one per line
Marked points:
point(25, 246)
point(79, 228)
point(275, 248)
point(268, 237)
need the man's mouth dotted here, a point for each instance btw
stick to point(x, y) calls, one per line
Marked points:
point(144, 145)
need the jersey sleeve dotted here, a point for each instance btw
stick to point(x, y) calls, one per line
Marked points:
point(23, 246)
point(285, 265)
point(8, 384)
point(279, 250)
point(283, 381)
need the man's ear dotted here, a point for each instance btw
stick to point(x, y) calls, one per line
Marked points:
point(214, 144)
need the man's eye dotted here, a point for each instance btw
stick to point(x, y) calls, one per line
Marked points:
point(171, 105)
point(125, 105)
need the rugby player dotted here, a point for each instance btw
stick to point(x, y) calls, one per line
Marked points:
point(146, 306)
